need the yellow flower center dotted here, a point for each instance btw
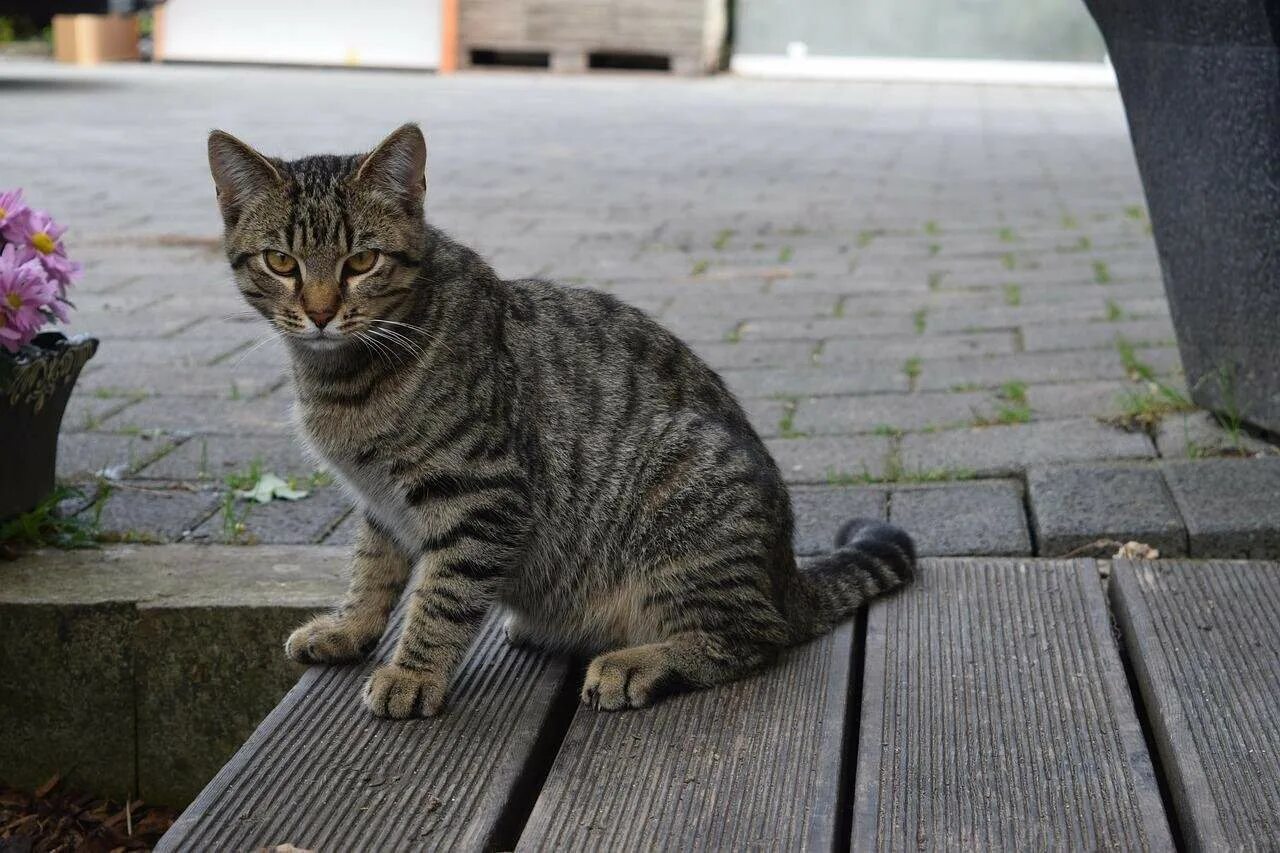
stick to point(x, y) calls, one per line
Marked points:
point(14, 300)
point(43, 243)
point(3, 213)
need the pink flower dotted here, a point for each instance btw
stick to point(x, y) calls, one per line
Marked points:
point(27, 295)
point(13, 215)
point(44, 237)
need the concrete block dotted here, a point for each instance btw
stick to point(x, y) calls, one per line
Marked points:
point(900, 412)
point(215, 457)
point(928, 345)
point(136, 513)
point(1075, 336)
point(1231, 506)
point(301, 522)
point(83, 456)
point(1002, 450)
point(1039, 367)
point(147, 663)
point(830, 460)
point(806, 381)
point(820, 510)
point(66, 706)
point(1195, 435)
point(960, 519)
point(1074, 505)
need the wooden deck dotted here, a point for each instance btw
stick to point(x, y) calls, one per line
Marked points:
point(988, 707)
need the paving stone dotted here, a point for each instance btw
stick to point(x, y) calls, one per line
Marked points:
point(1099, 399)
point(179, 352)
point(223, 381)
point(213, 458)
point(1003, 450)
point(820, 510)
point(1074, 505)
point(962, 519)
point(344, 533)
point(898, 412)
point(828, 460)
point(204, 415)
point(302, 522)
point(1073, 336)
point(827, 327)
point(85, 411)
point(765, 414)
point(1195, 435)
point(136, 512)
point(902, 347)
point(1038, 367)
point(83, 456)
point(804, 381)
point(763, 305)
point(756, 353)
point(1231, 506)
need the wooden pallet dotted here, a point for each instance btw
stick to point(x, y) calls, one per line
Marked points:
point(688, 34)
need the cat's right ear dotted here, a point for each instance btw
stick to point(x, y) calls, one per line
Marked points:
point(239, 173)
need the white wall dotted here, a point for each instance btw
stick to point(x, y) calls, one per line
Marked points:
point(387, 33)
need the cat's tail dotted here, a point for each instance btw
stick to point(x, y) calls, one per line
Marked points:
point(871, 559)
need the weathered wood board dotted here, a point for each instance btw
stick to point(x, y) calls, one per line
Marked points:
point(754, 765)
point(321, 773)
point(1204, 639)
point(995, 715)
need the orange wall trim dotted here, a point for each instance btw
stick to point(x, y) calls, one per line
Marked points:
point(448, 36)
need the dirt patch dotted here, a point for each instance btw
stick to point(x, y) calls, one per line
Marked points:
point(50, 819)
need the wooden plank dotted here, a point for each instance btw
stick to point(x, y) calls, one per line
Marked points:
point(321, 773)
point(995, 715)
point(1205, 645)
point(751, 765)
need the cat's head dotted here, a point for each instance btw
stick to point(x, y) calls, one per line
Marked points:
point(325, 247)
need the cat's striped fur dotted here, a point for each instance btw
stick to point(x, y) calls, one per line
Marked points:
point(547, 448)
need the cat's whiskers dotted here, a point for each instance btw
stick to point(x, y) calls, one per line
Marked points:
point(431, 339)
point(413, 348)
point(384, 352)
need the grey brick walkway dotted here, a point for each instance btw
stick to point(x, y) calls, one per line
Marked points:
point(911, 287)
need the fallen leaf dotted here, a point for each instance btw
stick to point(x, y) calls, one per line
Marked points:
point(1137, 551)
point(270, 487)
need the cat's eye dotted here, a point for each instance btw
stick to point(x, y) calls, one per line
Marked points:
point(280, 263)
point(361, 262)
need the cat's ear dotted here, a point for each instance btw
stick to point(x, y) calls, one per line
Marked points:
point(398, 165)
point(239, 173)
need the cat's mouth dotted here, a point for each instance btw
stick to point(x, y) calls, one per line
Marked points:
point(322, 338)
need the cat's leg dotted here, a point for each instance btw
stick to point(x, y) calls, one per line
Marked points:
point(638, 675)
point(379, 573)
point(460, 577)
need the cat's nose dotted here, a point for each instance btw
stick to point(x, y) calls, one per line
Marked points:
point(322, 315)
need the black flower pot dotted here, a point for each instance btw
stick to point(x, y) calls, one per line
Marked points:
point(1200, 81)
point(35, 385)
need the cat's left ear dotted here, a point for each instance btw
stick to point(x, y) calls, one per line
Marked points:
point(398, 165)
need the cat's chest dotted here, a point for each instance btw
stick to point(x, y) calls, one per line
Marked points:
point(370, 482)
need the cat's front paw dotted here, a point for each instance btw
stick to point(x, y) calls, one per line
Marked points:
point(399, 693)
point(627, 678)
point(332, 639)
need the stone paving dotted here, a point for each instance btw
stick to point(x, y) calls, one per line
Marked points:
point(940, 304)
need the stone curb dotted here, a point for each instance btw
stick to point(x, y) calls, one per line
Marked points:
point(138, 670)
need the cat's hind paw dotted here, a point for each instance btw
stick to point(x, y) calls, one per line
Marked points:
point(627, 678)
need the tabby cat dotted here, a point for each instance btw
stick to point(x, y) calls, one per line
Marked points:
point(547, 448)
